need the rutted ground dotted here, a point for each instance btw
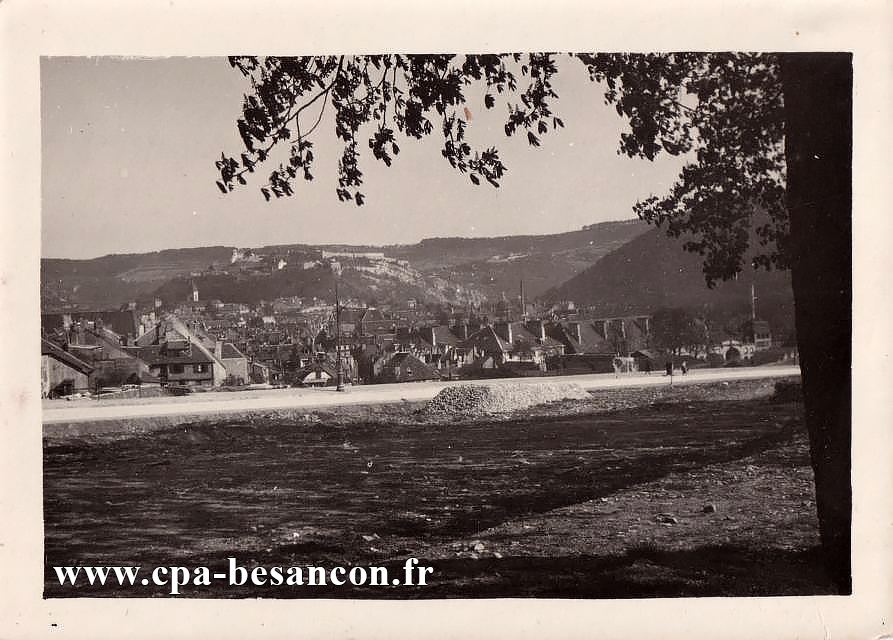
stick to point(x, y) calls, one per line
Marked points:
point(660, 491)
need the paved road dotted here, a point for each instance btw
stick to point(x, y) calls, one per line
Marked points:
point(60, 411)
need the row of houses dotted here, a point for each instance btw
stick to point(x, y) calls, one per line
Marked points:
point(382, 353)
point(82, 353)
point(373, 349)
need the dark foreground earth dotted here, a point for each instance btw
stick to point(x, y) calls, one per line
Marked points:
point(688, 491)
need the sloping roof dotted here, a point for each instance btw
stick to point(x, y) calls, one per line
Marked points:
point(160, 354)
point(636, 335)
point(121, 322)
point(260, 365)
point(322, 367)
point(86, 352)
point(520, 333)
point(407, 361)
point(275, 352)
point(112, 349)
point(228, 350)
point(167, 329)
point(592, 341)
point(418, 341)
point(351, 315)
point(47, 348)
point(373, 315)
point(429, 337)
point(443, 335)
point(487, 341)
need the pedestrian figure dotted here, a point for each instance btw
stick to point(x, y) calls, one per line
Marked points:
point(669, 367)
point(684, 367)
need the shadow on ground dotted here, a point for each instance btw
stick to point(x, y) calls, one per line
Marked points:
point(281, 493)
point(639, 573)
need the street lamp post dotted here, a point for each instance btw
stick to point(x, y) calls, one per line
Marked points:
point(339, 372)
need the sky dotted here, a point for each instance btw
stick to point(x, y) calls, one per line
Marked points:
point(129, 145)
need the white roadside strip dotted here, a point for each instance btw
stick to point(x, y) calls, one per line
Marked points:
point(211, 403)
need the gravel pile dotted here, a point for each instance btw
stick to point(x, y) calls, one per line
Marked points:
point(484, 399)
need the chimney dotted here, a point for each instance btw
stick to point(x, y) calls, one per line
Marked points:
point(523, 305)
point(218, 349)
point(576, 331)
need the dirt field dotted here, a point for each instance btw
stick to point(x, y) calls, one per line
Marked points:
point(695, 490)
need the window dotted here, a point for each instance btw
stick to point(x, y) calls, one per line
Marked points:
point(175, 368)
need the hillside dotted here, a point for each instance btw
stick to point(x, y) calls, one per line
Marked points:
point(111, 280)
point(370, 284)
point(498, 265)
point(439, 269)
point(652, 271)
point(592, 240)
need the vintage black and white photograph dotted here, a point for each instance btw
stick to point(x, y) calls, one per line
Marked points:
point(427, 326)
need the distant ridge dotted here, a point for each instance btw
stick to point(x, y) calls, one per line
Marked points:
point(653, 271)
point(485, 267)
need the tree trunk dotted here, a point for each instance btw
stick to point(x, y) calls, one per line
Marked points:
point(818, 149)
